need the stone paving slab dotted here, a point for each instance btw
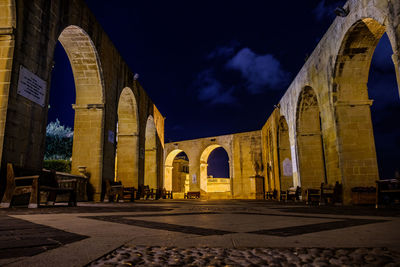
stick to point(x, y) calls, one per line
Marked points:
point(23, 238)
point(182, 225)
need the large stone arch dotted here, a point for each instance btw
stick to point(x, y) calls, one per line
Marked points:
point(310, 145)
point(150, 158)
point(127, 139)
point(87, 147)
point(284, 155)
point(28, 40)
point(352, 105)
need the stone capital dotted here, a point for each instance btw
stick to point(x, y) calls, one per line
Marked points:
point(355, 103)
point(127, 134)
point(88, 106)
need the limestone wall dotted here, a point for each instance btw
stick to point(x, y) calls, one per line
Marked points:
point(337, 71)
point(245, 164)
point(29, 33)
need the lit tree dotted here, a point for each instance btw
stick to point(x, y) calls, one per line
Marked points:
point(58, 141)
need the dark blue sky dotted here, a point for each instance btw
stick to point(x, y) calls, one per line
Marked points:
point(218, 67)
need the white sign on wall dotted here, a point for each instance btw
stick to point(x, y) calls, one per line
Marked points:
point(287, 167)
point(31, 86)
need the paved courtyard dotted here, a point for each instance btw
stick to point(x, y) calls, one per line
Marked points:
point(200, 233)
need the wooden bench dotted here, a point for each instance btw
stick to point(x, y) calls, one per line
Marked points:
point(20, 185)
point(387, 192)
point(49, 184)
point(129, 193)
point(362, 195)
point(164, 194)
point(283, 196)
point(330, 193)
point(313, 195)
point(293, 193)
point(271, 195)
point(192, 195)
point(144, 192)
point(114, 191)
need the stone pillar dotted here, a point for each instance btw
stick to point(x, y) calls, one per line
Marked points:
point(357, 146)
point(87, 148)
point(187, 183)
point(150, 178)
point(6, 60)
point(203, 176)
point(168, 177)
point(127, 164)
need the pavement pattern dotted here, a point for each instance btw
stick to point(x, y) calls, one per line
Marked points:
point(200, 233)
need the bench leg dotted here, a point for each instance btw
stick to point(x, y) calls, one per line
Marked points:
point(51, 198)
point(72, 199)
point(6, 201)
point(33, 201)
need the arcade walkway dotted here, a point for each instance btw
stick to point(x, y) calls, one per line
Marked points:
point(170, 232)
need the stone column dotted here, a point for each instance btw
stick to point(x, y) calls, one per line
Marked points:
point(168, 177)
point(150, 178)
point(203, 176)
point(6, 60)
point(87, 148)
point(357, 153)
point(127, 164)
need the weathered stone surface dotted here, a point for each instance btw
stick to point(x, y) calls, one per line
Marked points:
point(100, 76)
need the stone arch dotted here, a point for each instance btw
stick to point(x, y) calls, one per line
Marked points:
point(127, 158)
point(150, 158)
point(309, 140)
point(353, 61)
point(87, 147)
point(7, 42)
point(352, 105)
point(204, 165)
point(168, 174)
point(284, 155)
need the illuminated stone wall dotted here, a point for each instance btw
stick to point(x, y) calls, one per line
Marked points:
point(332, 85)
point(245, 165)
point(321, 130)
point(100, 75)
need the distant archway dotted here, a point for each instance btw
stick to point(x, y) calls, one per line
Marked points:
point(213, 184)
point(309, 140)
point(150, 159)
point(127, 139)
point(284, 155)
point(176, 171)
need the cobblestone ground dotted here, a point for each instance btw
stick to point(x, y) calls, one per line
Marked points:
point(169, 256)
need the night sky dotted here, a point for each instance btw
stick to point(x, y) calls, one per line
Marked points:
point(218, 67)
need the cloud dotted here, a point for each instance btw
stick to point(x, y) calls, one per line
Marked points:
point(211, 90)
point(260, 71)
point(223, 51)
point(325, 10)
